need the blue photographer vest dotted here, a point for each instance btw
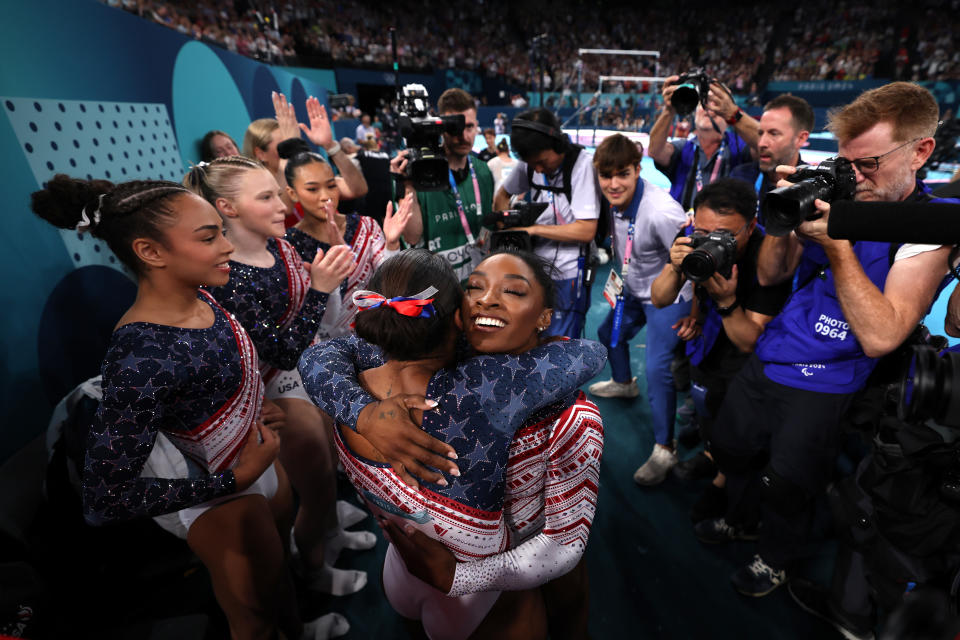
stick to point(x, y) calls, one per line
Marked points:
point(685, 174)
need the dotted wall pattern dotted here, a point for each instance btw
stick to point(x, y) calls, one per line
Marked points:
point(117, 141)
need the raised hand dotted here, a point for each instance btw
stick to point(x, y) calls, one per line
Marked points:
point(394, 223)
point(286, 117)
point(328, 270)
point(319, 132)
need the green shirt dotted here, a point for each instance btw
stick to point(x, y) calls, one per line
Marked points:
point(442, 230)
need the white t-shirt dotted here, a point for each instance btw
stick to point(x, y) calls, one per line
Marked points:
point(500, 169)
point(585, 205)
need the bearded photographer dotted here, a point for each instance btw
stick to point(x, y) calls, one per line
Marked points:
point(559, 173)
point(448, 222)
point(723, 137)
point(733, 309)
point(776, 434)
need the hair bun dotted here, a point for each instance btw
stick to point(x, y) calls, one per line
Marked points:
point(291, 147)
point(63, 201)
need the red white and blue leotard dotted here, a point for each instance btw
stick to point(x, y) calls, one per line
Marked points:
point(200, 387)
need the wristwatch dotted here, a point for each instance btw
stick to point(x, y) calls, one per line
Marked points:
point(726, 311)
point(735, 118)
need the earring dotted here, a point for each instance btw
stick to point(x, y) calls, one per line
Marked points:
point(540, 329)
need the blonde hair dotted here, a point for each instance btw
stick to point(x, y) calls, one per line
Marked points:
point(220, 178)
point(258, 135)
point(911, 109)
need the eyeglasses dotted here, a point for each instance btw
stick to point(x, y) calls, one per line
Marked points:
point(871, 164)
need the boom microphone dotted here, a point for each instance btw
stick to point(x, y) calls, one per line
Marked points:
point(920, 222)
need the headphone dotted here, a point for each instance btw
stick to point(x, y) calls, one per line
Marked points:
point(559, 139)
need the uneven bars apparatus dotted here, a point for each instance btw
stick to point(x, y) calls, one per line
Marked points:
point(614, 52)
point(619, 79)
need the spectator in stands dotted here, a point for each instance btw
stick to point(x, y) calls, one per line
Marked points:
point(491, 151)
point(560, 173)
point(365, 131)
point(645, 220)
point(501, 165)
point(500, 124)
point(448, 222)
point(785, 125)
point(724, 137)
point(776, 434)
point(217, 144)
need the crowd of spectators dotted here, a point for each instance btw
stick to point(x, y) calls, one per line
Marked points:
point(818, 40)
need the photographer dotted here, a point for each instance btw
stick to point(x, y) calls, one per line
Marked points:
point(645, 221)
point(724, 135)
point(559, 173)
point(776, 434)
point(785, 126)
point(448, 222)
point(734, 310)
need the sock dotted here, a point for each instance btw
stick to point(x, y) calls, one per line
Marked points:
point(341, 539)
point(331, 625)
point(349, 515)
point(337, 582)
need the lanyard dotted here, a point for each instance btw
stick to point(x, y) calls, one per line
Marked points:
point(627, 254)
point(460, 208)
point(757, 186)
point(716, 167)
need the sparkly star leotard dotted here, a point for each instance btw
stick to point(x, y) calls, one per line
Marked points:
point(200, 387)
point(275, 305)
point(369, 245)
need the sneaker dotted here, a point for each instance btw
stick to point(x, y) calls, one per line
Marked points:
point(699, 467)
point(712, 503)
point(717, 531)
point(655, 469)
point(757, 579)
point(815, 600)
point(613, 389)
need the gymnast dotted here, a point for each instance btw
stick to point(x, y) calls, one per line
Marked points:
point(312, 185)
point(178, 363)
point(281, 304)
point(482, 402)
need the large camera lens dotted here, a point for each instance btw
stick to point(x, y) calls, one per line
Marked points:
point(703, 262)
point(786, 208)
point(685, 99)
point(429, 173)
point(927, 388)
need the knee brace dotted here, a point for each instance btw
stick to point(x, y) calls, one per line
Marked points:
point(781, 495)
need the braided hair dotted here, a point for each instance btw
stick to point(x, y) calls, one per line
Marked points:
point(117, 214)
point(219, 178)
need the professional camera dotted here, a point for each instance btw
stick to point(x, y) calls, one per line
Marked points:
point(928, 388)
point(692, 89)
point(713, 252)
point(786, 208)
point(427, 164)
point(523, 214)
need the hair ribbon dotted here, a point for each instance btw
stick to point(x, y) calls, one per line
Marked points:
point(417, 306)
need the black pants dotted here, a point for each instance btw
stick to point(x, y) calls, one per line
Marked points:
point(793, 433)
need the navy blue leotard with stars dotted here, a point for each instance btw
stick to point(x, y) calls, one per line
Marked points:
point(170, 379)
point(259, 297)
point(482, 402)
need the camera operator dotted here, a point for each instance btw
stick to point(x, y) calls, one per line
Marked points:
point(785, 126)
point(724, 135)
point(559, 173)
point(645, 220)
point(448, 222)
point(776, 434)
point(733, 309)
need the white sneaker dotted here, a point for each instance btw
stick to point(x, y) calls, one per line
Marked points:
point(613, 389)
point(655, 469)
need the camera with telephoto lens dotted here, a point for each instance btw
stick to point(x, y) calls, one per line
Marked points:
point(692, 89)
point(524, 214)
point(786, 208)
point(427, 164)
point(713, 252)
point(928, 387)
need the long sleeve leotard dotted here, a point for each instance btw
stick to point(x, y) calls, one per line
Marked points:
point(275, 305)
point(201, 387)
